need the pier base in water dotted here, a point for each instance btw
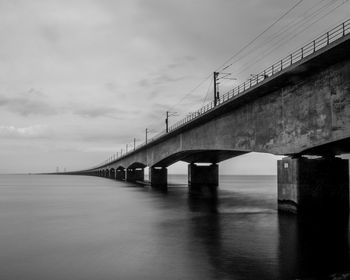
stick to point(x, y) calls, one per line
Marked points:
point(313, 185)
point(120, 174)
point(133, 175)
point(203, 180)
point(158, 176)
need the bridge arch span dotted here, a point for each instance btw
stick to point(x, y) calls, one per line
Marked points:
point(120, 173)
point(196, 156)
point(137, 165)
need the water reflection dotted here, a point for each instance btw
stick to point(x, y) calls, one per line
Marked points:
point(235, 245)
point(268, 245)
point(71, 227)
point(203, 204)
point(313, 246)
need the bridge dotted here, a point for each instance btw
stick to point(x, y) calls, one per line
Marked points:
point(298, 107)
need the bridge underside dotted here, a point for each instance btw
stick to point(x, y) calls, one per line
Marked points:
point(199, 156)
point(338, 147)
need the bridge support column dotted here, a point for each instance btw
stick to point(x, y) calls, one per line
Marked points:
point(203, 180)
point(133, 175)
point(112, 174)
point(313, 185)
point(158, 177)
point(120, 174)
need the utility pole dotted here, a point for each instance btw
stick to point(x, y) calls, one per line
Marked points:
point(168, 114)
point(216, 91)
point(146, 135)
point(134, 144)
point(167, 122)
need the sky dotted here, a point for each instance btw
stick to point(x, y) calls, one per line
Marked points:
point(80, 79)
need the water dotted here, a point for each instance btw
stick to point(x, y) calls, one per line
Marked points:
point(77, 227)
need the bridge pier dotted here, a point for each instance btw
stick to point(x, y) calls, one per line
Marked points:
point(203, 180)
point(120, 174)
point(112, 173)
point(158, 176)
point(133, 175)
point(313, 185)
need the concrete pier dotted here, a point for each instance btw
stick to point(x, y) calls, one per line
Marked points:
point(112, 173)
point(313, 185)
point(203, 180)
point(158, 176)
point(120, 174)
point(133, 175)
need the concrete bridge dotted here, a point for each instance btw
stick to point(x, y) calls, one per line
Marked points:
point(298, 107)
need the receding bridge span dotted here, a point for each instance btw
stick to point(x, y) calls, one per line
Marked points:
point(297, 109)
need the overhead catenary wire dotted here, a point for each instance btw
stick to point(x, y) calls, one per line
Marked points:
point(267, 52)
point(294, 28)
point(241, 50)
point(206, 96)
point(224, 66)
point(191, 91)
point(280, 31)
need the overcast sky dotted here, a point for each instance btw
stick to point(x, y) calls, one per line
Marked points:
point(80, 79)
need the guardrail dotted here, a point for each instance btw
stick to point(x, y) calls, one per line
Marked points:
point(319, 43)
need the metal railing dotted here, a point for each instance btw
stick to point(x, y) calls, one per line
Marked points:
point(319, 43)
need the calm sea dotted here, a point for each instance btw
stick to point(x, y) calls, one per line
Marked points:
point(90, 228)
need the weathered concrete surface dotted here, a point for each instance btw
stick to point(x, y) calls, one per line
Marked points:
point(158, 176)
point(313, 185)
point(203, 180)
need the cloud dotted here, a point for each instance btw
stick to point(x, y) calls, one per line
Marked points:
point(32, 102)
point(159, 80)
point(34, 131)
point(96, 112)
point(112, 87)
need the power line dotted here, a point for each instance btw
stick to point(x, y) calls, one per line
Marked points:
point(241, 50)
point(257, 37)
point(191, 91)
point(295, 27)
point(278, 33)
point(263, 55)
point(205, 98)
